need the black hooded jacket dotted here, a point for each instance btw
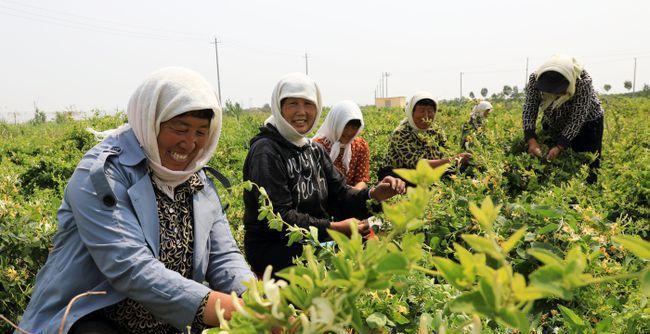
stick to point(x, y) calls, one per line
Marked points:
point(305, 189)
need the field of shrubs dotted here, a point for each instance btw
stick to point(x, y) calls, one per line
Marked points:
point(511, 243)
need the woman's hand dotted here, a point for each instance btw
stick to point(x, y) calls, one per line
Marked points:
point(533, 148)
point(227, 304)
point(343, 226)
point(387, 188)
point(464, 158)
point(554, 152)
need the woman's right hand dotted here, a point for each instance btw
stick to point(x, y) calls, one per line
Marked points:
point(343, 226)
point(464, 158)
point(533, 148)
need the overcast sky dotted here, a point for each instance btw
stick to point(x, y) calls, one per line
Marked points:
point(92, 54)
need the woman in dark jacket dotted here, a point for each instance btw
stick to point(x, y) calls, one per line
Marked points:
point(562, 90)
point(300, 179)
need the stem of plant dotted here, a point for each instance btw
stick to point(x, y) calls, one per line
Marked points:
point(426, 270)
point(615, 277)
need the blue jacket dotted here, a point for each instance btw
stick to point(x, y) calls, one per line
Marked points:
point(108, 239)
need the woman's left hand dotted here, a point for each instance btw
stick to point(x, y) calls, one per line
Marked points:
point(553, 153)
point(387, 188)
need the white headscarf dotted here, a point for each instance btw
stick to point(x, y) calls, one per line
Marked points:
point(570, 69)
point(293, 85)
point(165, 94)
point(478, 109)
point(333, 126)
point(417, 97)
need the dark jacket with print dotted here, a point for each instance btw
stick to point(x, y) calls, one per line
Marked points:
point(305, 189)
point(565, 121)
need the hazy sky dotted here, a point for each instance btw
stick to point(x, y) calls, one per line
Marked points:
point(92, 54)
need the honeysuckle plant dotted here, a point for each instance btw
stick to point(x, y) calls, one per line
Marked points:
point(319, 294)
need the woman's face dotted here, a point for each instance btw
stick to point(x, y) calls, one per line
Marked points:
point(348, 134)
point(181, 139)
point(299, 112)
point(423, 116)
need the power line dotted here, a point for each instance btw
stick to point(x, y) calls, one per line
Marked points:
point(86, 26)
point(96, 19)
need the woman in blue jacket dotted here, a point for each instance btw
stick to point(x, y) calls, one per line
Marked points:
point(141, 221)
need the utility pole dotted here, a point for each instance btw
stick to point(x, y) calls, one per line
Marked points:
point(216, 53)
point(461, 85)
point(386, 75)
point(306, 63)
point(381, 85)
point(634, 80)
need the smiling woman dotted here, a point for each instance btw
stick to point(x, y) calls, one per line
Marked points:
point(142, 222)
point(298, 175)
point(299, 112)
point(183, 137)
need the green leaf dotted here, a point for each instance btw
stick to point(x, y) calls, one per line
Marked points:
point(522, 292)
point(341, 240)
point(481, 217)
point(412, 246)
point(394, 214)
point(275, 224)
point(515, 319)
point(392, 262)
point(376, 320)
point(484, 245)
point(513, 240)
point(450, 270)
point(423, 175)
point(262, 214)
point(487, 291)
point(313, 231)
point(635, 244)
point(470, 302)
point(571, 317)
point(294, 236)
point(645, 283)
point(545, 211)
point(545, 256)
point(550, 280)
point(548, 228)
point(604, 326)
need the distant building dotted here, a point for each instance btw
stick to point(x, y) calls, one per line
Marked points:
point(388, 102)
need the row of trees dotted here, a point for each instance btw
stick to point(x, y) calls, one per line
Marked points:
point(512, 92)
point(628, 85)
point(508, 92)
point(235, 109)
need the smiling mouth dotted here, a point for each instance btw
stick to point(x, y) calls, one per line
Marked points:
point(300, 122)
point(178, 156)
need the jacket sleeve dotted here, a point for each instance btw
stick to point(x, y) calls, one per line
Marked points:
point(227, 269)
point(112, 234)
point(393, 158)
point(531, 108)
point(343, 200)
point(267, 170)
point(362, 167)
point(583, 95)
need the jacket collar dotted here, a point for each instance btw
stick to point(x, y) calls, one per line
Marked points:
point(132, 153)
